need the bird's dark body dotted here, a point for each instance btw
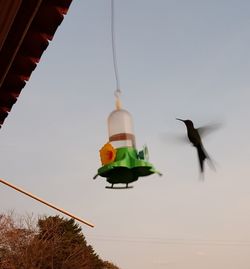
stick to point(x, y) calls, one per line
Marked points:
point(195, 139)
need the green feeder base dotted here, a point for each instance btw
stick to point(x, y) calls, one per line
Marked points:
point(127, 167)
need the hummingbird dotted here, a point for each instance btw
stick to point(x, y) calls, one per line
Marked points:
point(194, 136)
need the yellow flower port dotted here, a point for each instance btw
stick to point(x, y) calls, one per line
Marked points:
point(107, 154)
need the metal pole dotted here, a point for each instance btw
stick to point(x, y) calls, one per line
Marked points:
point(46, 203)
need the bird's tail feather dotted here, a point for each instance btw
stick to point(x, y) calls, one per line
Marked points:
point(202, 154)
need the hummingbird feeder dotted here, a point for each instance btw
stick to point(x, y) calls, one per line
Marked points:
point(121, 162)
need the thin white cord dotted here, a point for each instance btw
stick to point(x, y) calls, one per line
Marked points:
point(118, 90)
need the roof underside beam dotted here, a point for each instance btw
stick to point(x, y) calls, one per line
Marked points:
point(25, 33)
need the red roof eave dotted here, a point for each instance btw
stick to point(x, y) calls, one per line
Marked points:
point(22, 44)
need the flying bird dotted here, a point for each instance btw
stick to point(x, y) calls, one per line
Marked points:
point(194, 136)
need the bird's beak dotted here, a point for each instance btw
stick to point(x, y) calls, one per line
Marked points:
point(180, 119)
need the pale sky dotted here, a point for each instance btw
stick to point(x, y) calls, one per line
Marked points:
point(186, 59)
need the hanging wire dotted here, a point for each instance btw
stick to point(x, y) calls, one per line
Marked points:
point(118, 90)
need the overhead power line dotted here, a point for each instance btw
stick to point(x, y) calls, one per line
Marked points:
point(173, 241)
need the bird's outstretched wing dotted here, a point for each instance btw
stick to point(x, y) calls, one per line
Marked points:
point(207, 129)
point(174, 138)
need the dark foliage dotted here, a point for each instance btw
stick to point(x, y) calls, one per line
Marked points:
point(56, 243)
